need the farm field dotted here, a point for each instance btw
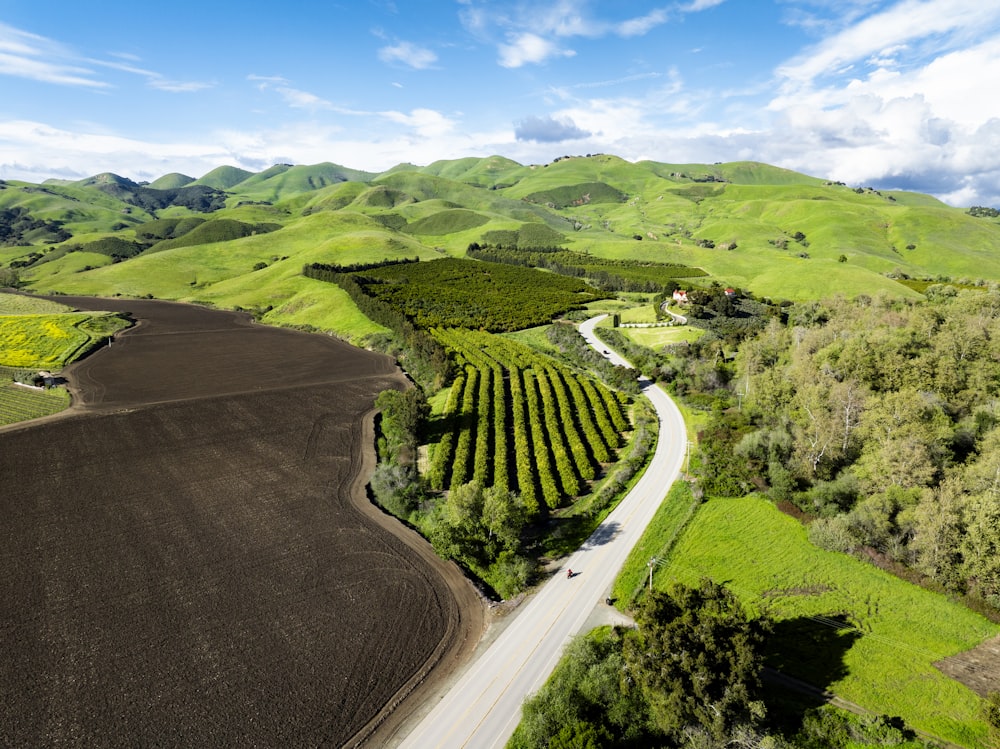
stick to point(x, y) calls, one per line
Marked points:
point(186, 553)
point(841, 624)
point(19, 403)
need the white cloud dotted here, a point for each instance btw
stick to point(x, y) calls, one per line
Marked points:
point(35, 151)
point(153, 79)
point(38, 58)
point(532, 31)
point(266, 79)
point(295, 98)
point(425, 122)
point(644, 24)
point(548, 130)
point(409, 54)
point(911, 111)
point(529, 48)
point(901, 24)
point(178, 87)
point(696, 6)
point(26, 55)
point(47, 72)
point(302, 99)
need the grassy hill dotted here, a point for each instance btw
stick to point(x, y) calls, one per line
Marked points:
point(224, 177)
point(171, 181)
point(772, 231)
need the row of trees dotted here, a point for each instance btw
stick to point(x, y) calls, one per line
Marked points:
point(607, 274)
point(517, 419)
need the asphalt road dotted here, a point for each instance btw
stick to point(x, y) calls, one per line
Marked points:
point(483, 707)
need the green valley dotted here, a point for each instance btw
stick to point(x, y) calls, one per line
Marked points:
point(834, 348)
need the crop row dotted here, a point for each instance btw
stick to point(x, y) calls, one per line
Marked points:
point(518, 419)
point(20, 404)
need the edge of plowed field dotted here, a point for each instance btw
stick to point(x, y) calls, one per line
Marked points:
point(466, 622)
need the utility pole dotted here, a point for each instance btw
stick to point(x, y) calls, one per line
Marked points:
point(651, 563)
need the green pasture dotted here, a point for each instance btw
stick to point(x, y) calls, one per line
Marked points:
point(534, 337)
point(657, 338)
point(223, 177)
point(645, 313)
point(872, 637)
point(329, 220)
point(18, 304)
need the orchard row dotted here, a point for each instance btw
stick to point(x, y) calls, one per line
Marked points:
point(517, 419)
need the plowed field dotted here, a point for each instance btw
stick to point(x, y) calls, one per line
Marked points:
point(185, 559)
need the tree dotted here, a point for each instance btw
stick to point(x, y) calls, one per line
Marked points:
point(503, 516)
point(586, 700)
point(937, 520)
point(904, 434)
point(396, 488)
point(981, 546)
point(9, 277)
point(403, 416)
point(697, 657)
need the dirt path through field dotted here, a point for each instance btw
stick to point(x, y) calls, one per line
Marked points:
point(188, 556)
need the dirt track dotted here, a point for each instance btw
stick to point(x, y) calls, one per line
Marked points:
point(188, 558)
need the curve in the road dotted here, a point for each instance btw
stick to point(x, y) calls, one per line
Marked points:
point(483, 707)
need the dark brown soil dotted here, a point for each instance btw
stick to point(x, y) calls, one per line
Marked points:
point(188, 558)
point(978, 669)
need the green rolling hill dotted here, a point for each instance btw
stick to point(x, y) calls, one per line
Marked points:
point(238, 238)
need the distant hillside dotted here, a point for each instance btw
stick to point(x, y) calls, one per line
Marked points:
point(171, 181)
point(224, 177)
point(284, 181)
point(199, 198)
point(775, 232)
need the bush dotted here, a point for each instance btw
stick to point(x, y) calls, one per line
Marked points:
point(833, 534)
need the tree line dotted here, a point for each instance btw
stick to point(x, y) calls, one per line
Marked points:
point(607, 274)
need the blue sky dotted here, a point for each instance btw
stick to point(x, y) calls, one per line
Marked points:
point(881, 93)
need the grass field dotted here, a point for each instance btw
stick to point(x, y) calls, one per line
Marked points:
point(655, 338)
point(662, 532)
point(868, 636)
point(17, 304)
point(754, 205)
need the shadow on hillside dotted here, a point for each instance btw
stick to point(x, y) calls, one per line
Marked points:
point(804, 657)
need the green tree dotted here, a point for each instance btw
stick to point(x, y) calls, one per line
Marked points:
point(938, 530)
point(697, 657)
point(403, 416)
point(503, 516)
point(396, 488)
point(587, 699)
point(904, 434)
point(981, 546)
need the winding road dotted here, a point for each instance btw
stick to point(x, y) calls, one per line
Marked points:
point(483, 707)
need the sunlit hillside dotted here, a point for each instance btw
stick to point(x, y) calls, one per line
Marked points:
point(237, 238)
